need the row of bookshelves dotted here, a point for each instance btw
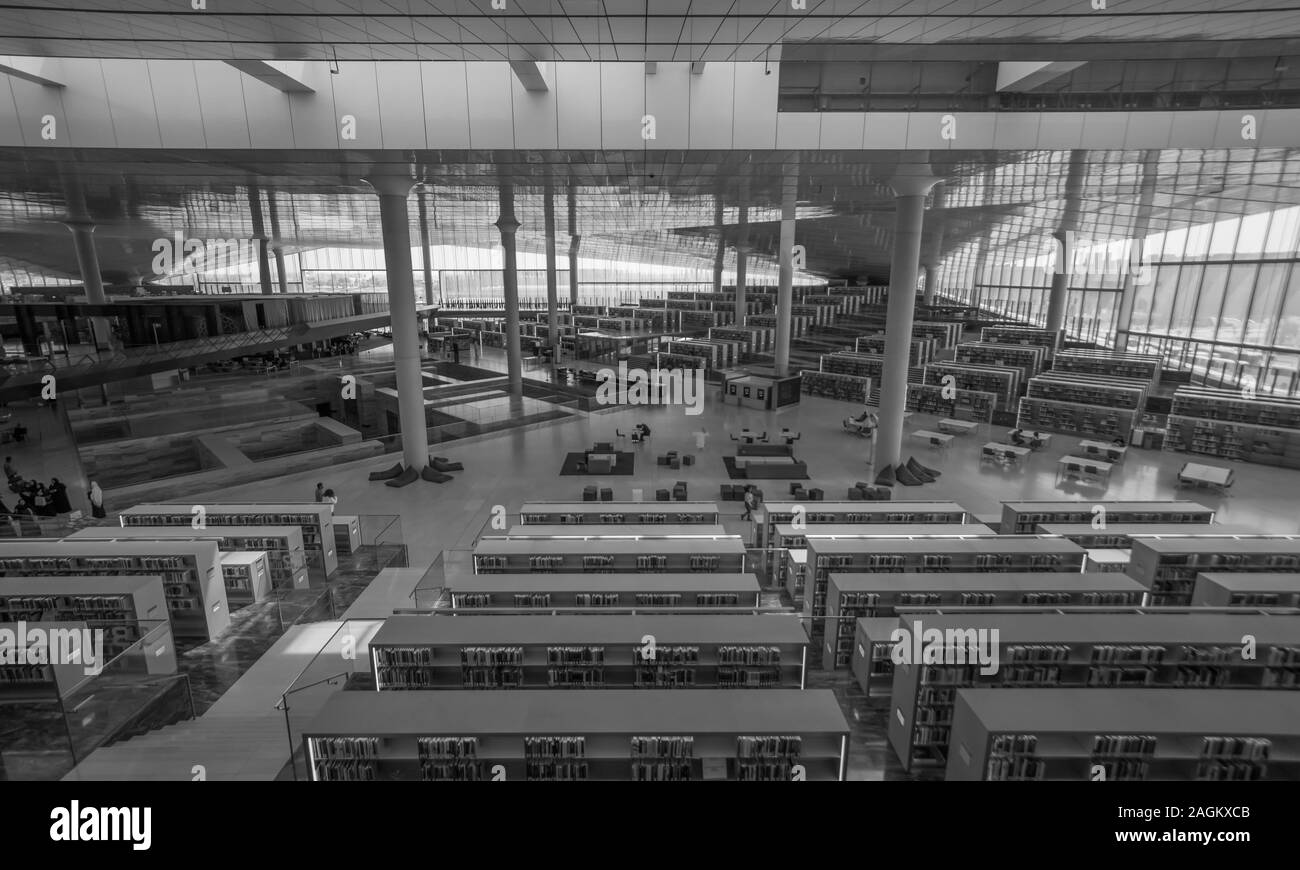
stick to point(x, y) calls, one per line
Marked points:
point(1030, 359)
point(841, 387)
point(1003, 382)
point(1048, 415)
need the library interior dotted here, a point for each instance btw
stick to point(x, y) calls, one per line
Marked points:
point(307, 315)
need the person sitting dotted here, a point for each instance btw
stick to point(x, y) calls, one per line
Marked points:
point(1017, 438)
point(643, 430)
point(1035, 442)
point(1117, 441)
point(862, 418)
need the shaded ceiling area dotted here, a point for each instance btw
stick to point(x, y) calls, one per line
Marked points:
point(634, 206)
point(609, 30)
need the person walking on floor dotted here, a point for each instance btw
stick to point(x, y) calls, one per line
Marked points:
point(58, 492)
point(320, 493)
point(750, 504)
point(96, 497)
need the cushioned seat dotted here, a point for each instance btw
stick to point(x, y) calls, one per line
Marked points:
point(434, 476)
point(406, 478)
point(442, 463)
point(607, 494)
point(388, 473)
point(663, 495)
point(589, 493)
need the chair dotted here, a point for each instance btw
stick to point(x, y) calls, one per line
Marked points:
point(675, 464)
point(662, 495)
point(607, 494)
point(795, 486)
point(816, 494)
point(589, 493)
point(856, 494)
point(688, 459)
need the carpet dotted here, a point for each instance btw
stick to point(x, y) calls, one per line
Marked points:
point(761, 471)
point(626, 464)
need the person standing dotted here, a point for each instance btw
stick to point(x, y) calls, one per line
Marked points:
point(750, 503)
point(330, 497)
point(96, 498)
point(58, 492)
point(320, 493)
point(455, 351)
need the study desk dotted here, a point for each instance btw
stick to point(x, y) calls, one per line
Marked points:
point(1083, 468)
point(1198, 474)
point(1110, 452)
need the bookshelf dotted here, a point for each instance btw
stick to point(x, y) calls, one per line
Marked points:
point(853, 596)
point(769, 514)
point(1024, 517)
point(946, 332)
point(843, 388)
point(1119, 536)
point(546, 593)
point(34, 681)
point(1133, 734)
point(1030, 359)
point(594, 534)
point(1145, 367)
point(856, 364)
point(315, 520)
point(872, 662)
point(1224, 425)
point(192, 583)
point(347, 535)
point(920, 352)
point(1168, 566)
point(1086, 651)
point(128, 608)
point(583, 651)
point(1123, 393)
point(614, 512)
point(1001, 381)
point(616, 734)
point(930, 554)
point(1047, 338)
point(754, 339)
point(1218, 589)
point(564, 555)
point(795, 541)
point(964, 404)
point(247, 577)
point(1047, 415)
point(285, 555)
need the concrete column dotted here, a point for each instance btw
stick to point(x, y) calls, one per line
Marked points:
point(1064, 235)
point(426, 254)
point(911, 184)
point(575, 241)
point(281, 277)
point(259, 234)
point(509, 225)
point(396, 226)
point(981, 258)
point(720, 257)
point(785, 285)
point(1136, 273)
point(742, 249)
point(552, 291)
point(935, 249)
point(83, 241)
point(574, 244)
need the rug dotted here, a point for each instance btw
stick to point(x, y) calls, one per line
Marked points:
point(759, 471)
point(626, 465)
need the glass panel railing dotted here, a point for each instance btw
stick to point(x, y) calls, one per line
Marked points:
point(336, 656)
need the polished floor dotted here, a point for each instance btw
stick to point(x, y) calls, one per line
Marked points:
point(510, 467)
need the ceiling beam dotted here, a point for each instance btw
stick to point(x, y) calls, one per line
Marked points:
point(530, 75)
point(283, 76)
point(1025, 75)
point(38, 70)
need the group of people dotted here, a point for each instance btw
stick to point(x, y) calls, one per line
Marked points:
point(1033, 442)
point(37, 499)
point(325, 496)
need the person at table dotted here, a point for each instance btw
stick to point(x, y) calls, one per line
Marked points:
point(643, 430)
point(1117, 441)
point(1017, 438)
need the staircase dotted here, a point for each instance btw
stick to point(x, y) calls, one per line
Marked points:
point(228, 748)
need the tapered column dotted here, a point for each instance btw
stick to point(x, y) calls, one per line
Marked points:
point(720, 257)
point(259, 236)
point(1064, 235)
point(785, 285)
point(1136, 273)
point(742, 252)
point(509, 225)
point(910, 184)
point(935, 248)
point(981, 259)
point(575, 242)
point(277, 247)
point(426, 253)
point(396, 226)
point(83, 241)
point(552, 291)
